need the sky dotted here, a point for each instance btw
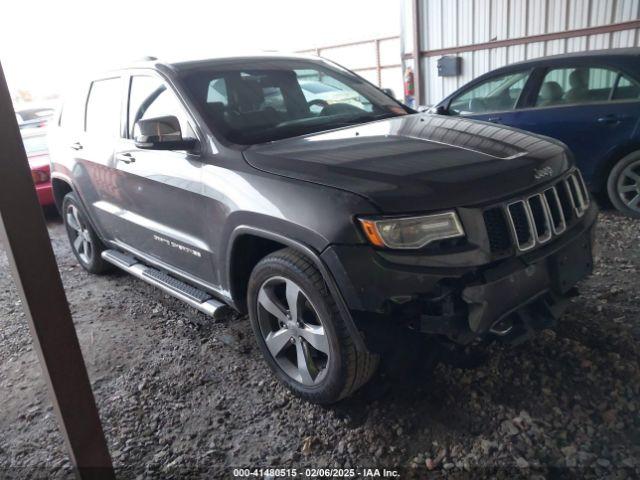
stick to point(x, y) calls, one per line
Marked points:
point(44, 44)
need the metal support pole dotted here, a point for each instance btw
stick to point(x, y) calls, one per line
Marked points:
point(35, 272)
point(417, 64)
point(378, 65)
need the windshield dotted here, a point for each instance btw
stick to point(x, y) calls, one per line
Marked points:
point(317, 87)
point(280, 99)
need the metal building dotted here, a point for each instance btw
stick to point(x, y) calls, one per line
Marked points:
point(487, 34)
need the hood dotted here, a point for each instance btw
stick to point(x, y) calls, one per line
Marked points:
point(417, 162)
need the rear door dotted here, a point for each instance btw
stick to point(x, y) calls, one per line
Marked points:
point(593, 109)
point(93, 148)
point(161, 206)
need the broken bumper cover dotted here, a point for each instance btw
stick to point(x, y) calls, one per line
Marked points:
point(529, 290)
point(534, 293)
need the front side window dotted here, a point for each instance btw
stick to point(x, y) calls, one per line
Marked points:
point(283, 99)
point(103, 108)
point(583, 85)
point(497, 94)
point(150, 97)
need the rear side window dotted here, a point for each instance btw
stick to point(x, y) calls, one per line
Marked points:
point(496, 94)
point(73, 109)
point(72, 115)
point(581, 85)
point(103, 108)
point(627, 89)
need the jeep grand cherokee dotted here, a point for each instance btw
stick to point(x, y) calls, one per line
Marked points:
point(333, 222)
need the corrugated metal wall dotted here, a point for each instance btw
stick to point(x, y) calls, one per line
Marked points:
point(458, 23)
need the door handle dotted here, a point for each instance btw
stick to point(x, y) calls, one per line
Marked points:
point(494, 119)
point(125, 157)
point(608, 119)
point(76, 146)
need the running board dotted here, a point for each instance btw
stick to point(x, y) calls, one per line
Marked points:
point(192, 296)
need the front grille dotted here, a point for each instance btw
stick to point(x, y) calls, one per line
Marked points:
point(497, 228)
point(535, 220)
point(520, 220)
point(556, 210)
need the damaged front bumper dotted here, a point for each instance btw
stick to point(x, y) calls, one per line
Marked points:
point(509, 298)
point(511, 302)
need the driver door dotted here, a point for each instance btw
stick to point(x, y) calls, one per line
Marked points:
point(161, 204)
point(494, 99)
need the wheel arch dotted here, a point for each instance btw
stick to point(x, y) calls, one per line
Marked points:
point(602, 172)
point(61, 186)
point(240, 266)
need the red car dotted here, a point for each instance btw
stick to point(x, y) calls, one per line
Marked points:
point(37, 150)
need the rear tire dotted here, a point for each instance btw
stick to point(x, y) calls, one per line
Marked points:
point(308, 347)
point(84, 241)
point(623, 185)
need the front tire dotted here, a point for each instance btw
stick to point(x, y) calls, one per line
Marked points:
point(623, 185)
point(84, 241)
point(300, 331)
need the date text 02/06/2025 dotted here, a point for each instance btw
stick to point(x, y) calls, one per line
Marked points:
point(315, 473)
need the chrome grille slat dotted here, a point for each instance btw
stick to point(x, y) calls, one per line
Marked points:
point(515, 222)
point(561, 225)
point(577, 196)
point(585, 191)
point(546, 235)
point(538, 218)
point(572, 200)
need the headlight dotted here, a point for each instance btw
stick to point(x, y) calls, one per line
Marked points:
point(412, 232)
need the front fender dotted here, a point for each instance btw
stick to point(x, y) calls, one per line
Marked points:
point(313, 255)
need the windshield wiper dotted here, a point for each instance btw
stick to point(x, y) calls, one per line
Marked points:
point(292, 129)
point(364, 119)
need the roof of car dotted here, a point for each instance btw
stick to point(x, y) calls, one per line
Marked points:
point(183, 64)
point(613, 52)
point(553, 60)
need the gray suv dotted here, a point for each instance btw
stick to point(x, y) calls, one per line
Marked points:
point(342, 224)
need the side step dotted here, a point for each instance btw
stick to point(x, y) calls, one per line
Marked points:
point(195, 297)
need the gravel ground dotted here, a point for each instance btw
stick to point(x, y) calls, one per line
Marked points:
point(178, 393)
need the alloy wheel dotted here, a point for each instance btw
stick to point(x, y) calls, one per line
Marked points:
point(628, 186)
point(293, 330)
point(80, 236)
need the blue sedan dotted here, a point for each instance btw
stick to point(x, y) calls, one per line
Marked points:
point(589, 100)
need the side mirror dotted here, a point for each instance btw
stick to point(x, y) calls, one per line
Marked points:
point(441, 110)
point(389, 92)
point(161, 133)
